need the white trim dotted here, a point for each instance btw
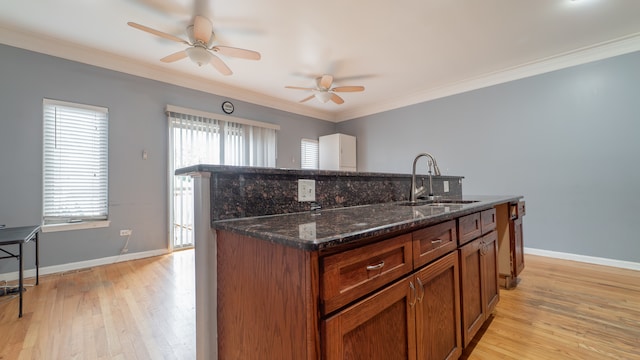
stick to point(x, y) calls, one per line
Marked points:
point(55, 269)
point(583, 258)
point(181, 110)
point(41, 43)
point(76, 226)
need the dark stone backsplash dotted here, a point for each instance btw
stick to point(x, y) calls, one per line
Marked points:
point(238, 192)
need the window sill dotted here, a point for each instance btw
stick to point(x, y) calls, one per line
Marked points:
point(76, 226)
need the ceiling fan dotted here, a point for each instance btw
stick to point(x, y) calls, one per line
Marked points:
point(324, 92)
point(201, 49)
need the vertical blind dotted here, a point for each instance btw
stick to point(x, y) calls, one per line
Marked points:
point(309, 154)
point(197, 138)
point(75, 162)
point(201, 140)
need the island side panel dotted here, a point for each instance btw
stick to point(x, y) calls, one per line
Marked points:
point(266, 307)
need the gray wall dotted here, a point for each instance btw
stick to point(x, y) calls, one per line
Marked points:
point(569, 141)
point(137, 188)
point(566, 140)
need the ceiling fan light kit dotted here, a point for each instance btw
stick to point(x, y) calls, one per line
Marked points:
point(199, 55)
point(323, 96)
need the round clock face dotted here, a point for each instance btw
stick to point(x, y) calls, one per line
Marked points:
point(227, 107)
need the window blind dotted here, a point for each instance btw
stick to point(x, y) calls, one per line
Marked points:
point(75, 162)
point(309, 154)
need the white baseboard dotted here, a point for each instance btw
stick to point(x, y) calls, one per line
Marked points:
point(12, 276)
point(583, 258)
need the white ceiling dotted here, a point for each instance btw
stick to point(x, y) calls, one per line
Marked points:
point(403, 52)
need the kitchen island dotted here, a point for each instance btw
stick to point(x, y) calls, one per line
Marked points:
point(382, 280)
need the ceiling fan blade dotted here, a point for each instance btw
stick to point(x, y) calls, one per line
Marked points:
point(326, 81)
point(157, 32)
point(174, 57)
point(337, 99)
point(298, 88)
point(307, 98)
point(348, 88)
point(202, 29)
point(220, 65)
point(237, 52)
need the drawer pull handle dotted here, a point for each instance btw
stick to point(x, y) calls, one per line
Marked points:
point(412, 302)
point(421, 290)
point(437, 241)
point(378, 266)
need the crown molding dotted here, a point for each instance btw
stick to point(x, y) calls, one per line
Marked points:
point(54, 47)
point(46, 45)
point(604, 50)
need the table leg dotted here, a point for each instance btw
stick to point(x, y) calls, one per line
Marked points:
point(37, 258)
point(20, 279)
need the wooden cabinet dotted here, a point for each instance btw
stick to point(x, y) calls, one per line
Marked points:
point(478, 283)
point(415, 318)
point(511, 243)
point(416, 295)
point(337, 152)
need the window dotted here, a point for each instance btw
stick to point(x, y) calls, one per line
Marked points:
point(75, 162)
point(309, 154)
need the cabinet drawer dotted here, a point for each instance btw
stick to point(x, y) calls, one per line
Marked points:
point(434, 241)
point(488, 219)
point(352, 274)
point(469, 228)
point(521, 209)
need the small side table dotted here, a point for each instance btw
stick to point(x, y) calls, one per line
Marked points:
point(19, 236)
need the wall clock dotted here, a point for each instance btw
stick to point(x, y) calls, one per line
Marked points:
point(227, 107)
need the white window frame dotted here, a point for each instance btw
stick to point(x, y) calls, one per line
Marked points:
point(59, 221)
point(309, 154)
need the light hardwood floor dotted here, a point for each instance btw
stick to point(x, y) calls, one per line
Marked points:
point(144, 309)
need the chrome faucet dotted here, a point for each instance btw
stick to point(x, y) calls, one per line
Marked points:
point(415, 192)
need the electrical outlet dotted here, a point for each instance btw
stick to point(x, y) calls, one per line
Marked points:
point(125, 232)
point(306, 190)
point(307, 231)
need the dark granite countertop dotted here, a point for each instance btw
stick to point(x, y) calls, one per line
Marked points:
point(334, 227)
point(229, 169)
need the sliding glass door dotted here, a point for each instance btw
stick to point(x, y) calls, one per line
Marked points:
point(200, 139)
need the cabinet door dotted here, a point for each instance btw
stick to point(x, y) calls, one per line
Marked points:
point(347, 152)
point(381, 327)
point(473, 310)
point(438, 310)
point(489, 253)
point(518, 247)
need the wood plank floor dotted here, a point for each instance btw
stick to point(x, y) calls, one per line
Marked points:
point(144, 309)
point(564, 310)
